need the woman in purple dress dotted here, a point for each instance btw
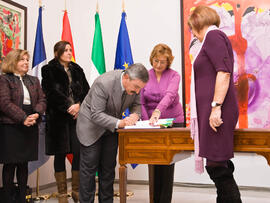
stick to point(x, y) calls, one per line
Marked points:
point(160, 99)
point(216, 104)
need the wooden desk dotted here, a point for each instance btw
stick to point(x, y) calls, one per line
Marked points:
point(159, 146)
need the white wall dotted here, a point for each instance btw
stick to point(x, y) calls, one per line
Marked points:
point(149, 22)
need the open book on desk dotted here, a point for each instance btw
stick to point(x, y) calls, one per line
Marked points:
point(161, 123)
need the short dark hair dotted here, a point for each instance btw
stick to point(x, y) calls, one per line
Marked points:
point(59, 48)
point(137, 71)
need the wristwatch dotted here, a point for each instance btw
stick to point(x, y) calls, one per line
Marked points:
point(215, 104)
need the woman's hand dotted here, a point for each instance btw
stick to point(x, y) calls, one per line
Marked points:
point(29, 121)
point(34, 116)
point(215, 118)
point(74, 110)
point(155, 116)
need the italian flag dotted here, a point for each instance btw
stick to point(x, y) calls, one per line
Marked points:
point(97, 59)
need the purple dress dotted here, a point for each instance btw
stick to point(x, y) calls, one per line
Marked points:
point(216, 55)
point(162, 95)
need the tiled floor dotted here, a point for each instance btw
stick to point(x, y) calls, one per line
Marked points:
point(181, 195)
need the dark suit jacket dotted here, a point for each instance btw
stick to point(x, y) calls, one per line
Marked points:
point(11, 98)
point(102, 107)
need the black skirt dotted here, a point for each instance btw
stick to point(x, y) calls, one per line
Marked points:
point(18, 143)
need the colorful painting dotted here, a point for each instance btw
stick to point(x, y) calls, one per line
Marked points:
point(12, 27)
point(247, 24)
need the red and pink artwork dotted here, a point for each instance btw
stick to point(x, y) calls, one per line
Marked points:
point(247, 24)
point(12, 29)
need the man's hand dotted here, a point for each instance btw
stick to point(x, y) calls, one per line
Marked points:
point(131, 119)
point(121, 124)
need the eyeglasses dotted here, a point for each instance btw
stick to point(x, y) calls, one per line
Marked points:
point(162, 62)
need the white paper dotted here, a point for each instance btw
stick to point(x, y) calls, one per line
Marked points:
point(145, 124)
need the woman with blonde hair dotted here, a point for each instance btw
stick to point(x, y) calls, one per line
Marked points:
point(214, 108)
point(22, 103)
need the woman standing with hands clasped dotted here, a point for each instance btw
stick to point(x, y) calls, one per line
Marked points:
point(160, 99)
point(65, 86)
point(214, 101)
point(22, 103)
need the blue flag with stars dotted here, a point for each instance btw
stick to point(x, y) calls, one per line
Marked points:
point(123, 57)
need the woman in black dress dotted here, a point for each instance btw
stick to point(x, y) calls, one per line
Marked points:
point(22, 103)
point(65, 87)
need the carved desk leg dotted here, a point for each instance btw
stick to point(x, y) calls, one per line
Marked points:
point(266, 155)
point(123, 183)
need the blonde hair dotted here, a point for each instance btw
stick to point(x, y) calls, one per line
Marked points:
point(162, 50)
point(203, 16)
point(10, 62)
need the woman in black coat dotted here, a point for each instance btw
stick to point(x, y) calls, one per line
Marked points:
point(65, 87)
point(22, 103)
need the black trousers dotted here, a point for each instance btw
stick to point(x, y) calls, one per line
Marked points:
point(163, 183)
point(163, 176)
point(8, 174)
point(101, 157)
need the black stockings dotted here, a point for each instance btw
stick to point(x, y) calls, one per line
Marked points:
point(60, 164)
point(8, 178)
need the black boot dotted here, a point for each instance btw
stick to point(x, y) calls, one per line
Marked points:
point(230, 165)
point(227, 189)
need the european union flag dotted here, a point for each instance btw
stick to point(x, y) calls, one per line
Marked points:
point(123, 57)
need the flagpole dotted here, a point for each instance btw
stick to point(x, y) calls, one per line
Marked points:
point(38, 197)
point(37, 179)
point(37, 183)
point(65, 5)
point(123, 5)
point(97, 8)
